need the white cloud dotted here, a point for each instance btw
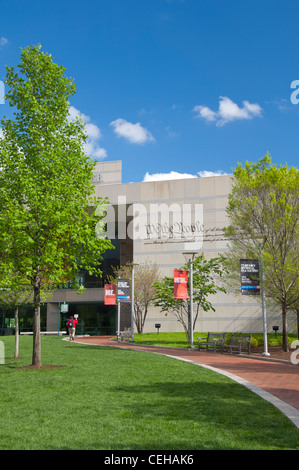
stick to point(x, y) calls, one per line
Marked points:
point(93, 131)
point(74, 113)
point(205, 112)
point(228, 111)
point(205, 173)
point(170, 133)
point(91, 147)
point(94, 150)
point(174, 175)
point(134, 133)
point(3, 41)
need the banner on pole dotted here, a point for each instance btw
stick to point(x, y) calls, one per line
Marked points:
point(250, 277)
point(180, 284)
point(123, 290)
point(110, 294)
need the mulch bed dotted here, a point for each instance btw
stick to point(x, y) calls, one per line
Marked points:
point(276, 352)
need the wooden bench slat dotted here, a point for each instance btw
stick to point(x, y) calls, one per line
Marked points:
point(213, 339)
point(237, 342)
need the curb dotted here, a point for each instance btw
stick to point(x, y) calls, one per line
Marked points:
point(267, 359)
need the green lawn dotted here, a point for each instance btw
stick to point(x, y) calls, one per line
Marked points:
point(178, 340)
point(116, 399)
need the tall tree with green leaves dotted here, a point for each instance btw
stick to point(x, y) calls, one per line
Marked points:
point(47, 218)
point(263, 212)
point(207, 276)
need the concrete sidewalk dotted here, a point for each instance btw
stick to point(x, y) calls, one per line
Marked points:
point(276, 382)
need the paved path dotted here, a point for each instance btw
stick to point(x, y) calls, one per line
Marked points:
point(277, 382)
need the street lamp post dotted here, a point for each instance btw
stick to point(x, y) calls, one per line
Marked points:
point(265, 353)
point(189, 257)
point(118, 318)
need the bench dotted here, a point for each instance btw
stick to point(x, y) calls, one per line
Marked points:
point(237, 343)
point(214, 340)
point(124, 335)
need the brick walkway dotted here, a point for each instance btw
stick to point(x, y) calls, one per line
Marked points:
point(277, 382)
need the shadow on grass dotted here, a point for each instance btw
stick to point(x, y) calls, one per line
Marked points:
point(217, 412)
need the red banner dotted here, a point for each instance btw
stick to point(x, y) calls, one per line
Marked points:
point(180, 281)
point(110, 294)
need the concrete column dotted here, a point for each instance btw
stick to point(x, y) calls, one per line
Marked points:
point(52, 316)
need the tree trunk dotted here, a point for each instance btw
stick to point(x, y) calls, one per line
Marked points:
point(143, 319)
point(16, 315)
point(297, 310)
point(136, 318)
point(36, 357)
point(285, 344)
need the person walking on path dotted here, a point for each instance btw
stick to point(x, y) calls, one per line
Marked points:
point(71, 324)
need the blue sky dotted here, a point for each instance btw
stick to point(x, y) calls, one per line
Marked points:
point(172, 87)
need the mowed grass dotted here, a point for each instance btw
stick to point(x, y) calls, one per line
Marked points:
point(117, 399)
point(178, 340)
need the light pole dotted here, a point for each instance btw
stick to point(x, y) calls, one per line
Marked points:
point(118, 318)
point(265, 353)
point(189, 257)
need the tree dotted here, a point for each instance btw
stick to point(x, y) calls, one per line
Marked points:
point(47, 219)
point(145, 277)
point(263, 212)
point(13, 297)
point(14, 292)
point(204, 272)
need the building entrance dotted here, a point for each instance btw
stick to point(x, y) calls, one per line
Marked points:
point(94, 319)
